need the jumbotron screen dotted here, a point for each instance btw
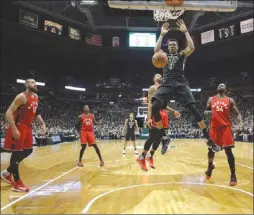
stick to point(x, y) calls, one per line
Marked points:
point(142, 39)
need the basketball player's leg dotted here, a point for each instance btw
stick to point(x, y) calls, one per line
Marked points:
point(228, 144)
point(126, 139)
point(84, 142)
point(186, 96)
point(92, 142)
point(159, 101)
point(154, 135)
point(158, 134)
point(133, 138)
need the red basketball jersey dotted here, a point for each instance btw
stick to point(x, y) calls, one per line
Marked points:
point(220, 112)
point(26, 113)
point(87, 122)
point(164, 119)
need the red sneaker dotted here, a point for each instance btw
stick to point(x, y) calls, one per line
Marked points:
point(101, 163)
point(18, 186)
point(142, 164)
point(80, 164)
point(150, 162)
point(233, 180)
point(7, 178)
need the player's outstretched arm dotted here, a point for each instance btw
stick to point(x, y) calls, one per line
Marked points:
point(191, 47)
point(208, 110)
point(18, 101)
point(235, 110)
point(164, 31)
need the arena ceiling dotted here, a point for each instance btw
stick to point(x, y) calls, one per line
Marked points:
point(101, 17)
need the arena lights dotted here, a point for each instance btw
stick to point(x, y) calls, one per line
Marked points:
point(196, 90)
point(75, 88)
point(88, 2)
point(193, 90)
point(21, 81)
point(172, 101)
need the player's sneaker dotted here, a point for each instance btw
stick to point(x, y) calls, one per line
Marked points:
point(123, 151)
point(142, 164)
point(136, 152)
point(213, 146)
point(165, 144)
point(209, 171)
point(7, 177)
point(150, 161)
point(18, 186)
point(101, 163)
point(80, 164)
point(233, 180)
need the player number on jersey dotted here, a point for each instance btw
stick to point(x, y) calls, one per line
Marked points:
point(219, 109)
point(87, 122)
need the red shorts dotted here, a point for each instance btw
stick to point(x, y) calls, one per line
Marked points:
point(24, 142)
point(222, 136)
point(87, 137)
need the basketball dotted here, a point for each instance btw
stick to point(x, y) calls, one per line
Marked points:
point(160, 60)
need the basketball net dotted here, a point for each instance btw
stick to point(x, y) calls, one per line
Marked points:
point(163, 15)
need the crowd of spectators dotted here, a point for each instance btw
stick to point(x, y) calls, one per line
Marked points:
point(61, 116)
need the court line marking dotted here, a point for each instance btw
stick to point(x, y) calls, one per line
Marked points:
point(249, 167)
point(88, 206)
point(49, 182)
point(38, 188)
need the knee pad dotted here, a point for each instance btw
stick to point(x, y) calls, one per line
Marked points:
point(156, 107)
point(193, 109)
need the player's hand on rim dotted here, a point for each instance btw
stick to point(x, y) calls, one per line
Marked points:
point(164, 28)
point(15, 133)
point(181, 26)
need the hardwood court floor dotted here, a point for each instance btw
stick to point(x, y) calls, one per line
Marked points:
point(176, 186)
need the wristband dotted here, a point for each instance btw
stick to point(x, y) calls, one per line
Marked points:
point(162, 34)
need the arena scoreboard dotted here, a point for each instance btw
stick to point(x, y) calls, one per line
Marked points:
point(53, 27)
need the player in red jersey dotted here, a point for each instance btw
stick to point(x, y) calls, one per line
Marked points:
point(19, 138)
point(86, 122)
point(155, 134)
point(220, 106)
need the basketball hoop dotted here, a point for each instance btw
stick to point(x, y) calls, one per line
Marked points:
point(163, 15)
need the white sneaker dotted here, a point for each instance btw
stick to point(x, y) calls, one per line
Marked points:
point(124, 151)
point(136, 152)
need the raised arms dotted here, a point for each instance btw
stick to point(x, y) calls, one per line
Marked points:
point(164, 31)
point(190, 48)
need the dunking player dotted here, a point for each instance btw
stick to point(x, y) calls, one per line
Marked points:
point(19, 138)
point(85, 125)
point(155, 134)
point(220, 106)
point(174, 82)
point(129, 128)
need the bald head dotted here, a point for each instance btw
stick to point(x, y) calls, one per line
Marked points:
point(31, 85)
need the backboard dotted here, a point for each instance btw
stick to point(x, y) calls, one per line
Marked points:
point(201, 5)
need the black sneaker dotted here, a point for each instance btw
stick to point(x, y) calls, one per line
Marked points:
point(213, 146)
point(209, 171)
point(233, 180)
point(165, 144)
